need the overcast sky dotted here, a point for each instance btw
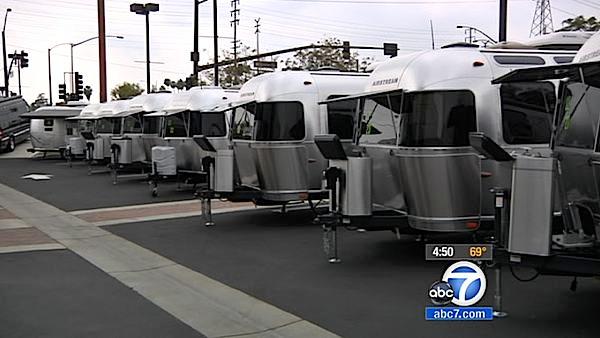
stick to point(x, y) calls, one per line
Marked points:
point(36, 25)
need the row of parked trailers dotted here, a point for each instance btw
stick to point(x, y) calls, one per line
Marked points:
point(462, 139)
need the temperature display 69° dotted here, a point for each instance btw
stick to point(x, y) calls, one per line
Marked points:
point(458, 252)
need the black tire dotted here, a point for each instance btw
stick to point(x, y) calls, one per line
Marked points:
point(12, 144)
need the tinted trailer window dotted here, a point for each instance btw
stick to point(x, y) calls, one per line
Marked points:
point(108, 126)
point(279, 121)
point(207, 124)
point(150, 125)
point(243, 122)
point(380, 119)
point(176, 125)
point(132, 124)
point(527, 112)
point(579, 112)
point(340, 117)
point(437, 119)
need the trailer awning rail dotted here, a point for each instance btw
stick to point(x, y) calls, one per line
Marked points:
point(587, 72)
point(364, 95)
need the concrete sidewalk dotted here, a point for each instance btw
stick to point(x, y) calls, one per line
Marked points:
point(210, 307)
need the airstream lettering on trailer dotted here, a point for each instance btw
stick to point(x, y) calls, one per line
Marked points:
point(416, 130)
point(273, 129)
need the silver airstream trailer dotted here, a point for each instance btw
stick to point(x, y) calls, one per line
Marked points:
point(128, 150)
point(273, 128)
point(109, 124)
point(525, 232)
point(50, 130)
point(83, 144)
point(415, 117)
point(188, 114)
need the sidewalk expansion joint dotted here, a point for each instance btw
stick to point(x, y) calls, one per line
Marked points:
point(142, 270)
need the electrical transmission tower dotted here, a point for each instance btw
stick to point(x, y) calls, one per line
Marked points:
point(234, 23)
point(542, 19)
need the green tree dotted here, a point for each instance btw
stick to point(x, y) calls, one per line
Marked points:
point(580, 23)
point(327, 56)
point(126, 90)
point(232, 75)
point(40, 101)
point(87, 91)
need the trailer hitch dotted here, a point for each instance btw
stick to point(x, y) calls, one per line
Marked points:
point(501, 197)
point(331, 220)
point(206, 193)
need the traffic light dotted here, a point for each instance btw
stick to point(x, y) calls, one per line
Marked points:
point(78, 86)
point(62, 92)
point(24, 61)
point(346, 50)
point(390, 49)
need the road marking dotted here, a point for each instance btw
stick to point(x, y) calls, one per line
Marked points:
point(33, 247)
point(130, 207)
point(207, 305)
point(13, 223)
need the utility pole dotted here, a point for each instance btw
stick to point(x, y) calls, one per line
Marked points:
point(503, 20)
point(19, 72)
point(542, 19)
point(4, 59)
point(195, 57)
point(257, 32)
point(216, 44)
point(235, 22)
point(432, 39)
point(101, 51)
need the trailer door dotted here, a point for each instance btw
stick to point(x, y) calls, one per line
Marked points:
point(577, 148)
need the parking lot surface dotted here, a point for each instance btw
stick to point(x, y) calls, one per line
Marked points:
point(73, 189)
point(379, 290)
point(58, 294)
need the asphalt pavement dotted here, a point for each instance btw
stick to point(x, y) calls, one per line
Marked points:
point(71, 188)
point(379, 290)
point(58, 294)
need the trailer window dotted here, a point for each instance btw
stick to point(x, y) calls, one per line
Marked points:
point(579, 111)
point(108, 126)
point(379, 119)
point(132, 124)
point(527, 111)
point(243, 122)
point(176, 125)
point(340, 117)
point(279, 121)
point(48, 123)
point(207, 124)
point(519, 60)
point(150, 125)
point(437, 119)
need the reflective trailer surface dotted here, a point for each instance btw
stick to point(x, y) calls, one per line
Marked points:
point(442, 187)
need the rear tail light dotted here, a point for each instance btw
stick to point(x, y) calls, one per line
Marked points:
point(473, 225)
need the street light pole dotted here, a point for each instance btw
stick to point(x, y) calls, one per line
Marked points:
point(145, 9)
point(148, 52)
point(4, 60)
point(72, 45)
point(476, 30)
point(216, 43)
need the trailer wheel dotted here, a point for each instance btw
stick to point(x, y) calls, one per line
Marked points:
point(12, 144)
